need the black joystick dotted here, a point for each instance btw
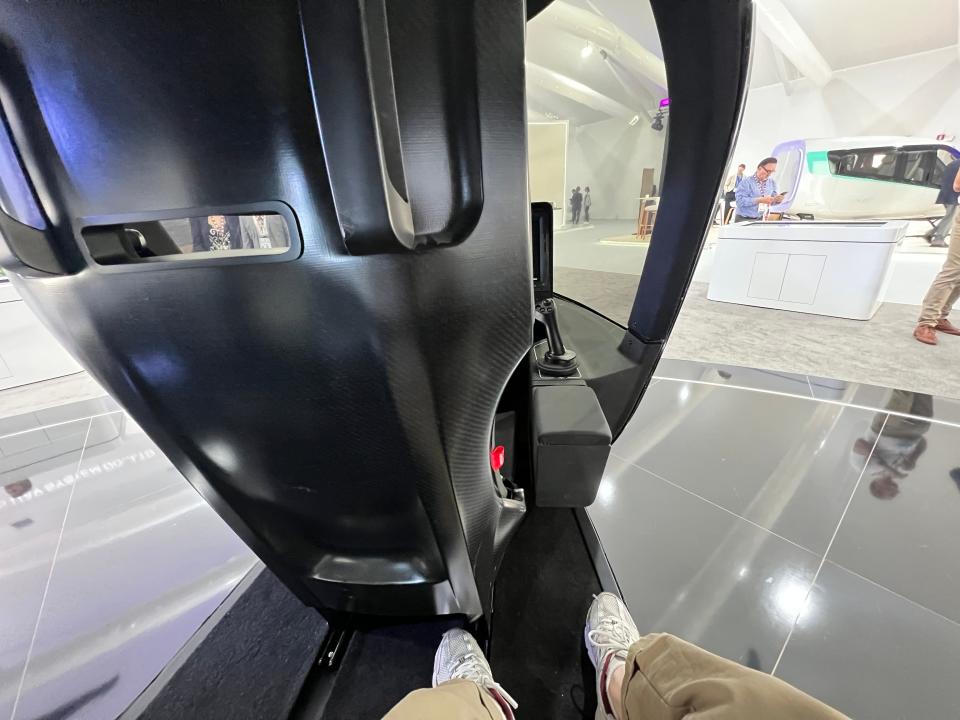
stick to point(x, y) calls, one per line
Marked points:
point(557, 360)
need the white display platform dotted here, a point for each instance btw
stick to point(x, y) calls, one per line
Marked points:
point(839, 269)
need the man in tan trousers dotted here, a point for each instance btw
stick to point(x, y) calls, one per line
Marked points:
point(946, 287)
point(655, 677)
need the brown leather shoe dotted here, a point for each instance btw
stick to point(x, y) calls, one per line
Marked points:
point(947, 327)
point(925, 334)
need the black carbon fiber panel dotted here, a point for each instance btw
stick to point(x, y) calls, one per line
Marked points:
point(335, 409)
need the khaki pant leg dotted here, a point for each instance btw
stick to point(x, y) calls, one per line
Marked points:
point(669, 679)
point(951, 301)
point(453, 700)
point(945, 289)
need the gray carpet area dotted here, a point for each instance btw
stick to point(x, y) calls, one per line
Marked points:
point(880, 351)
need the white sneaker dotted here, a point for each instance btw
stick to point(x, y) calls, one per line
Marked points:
point(460, 657)
point(609, 633)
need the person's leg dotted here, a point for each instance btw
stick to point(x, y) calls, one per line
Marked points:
point(944, 291)
point(928, 235)
point(943, 226)
point(660, 677)
point(454, 700)
point(953, 257)
point(463, 686)
point(666, 677)
point(948, 305)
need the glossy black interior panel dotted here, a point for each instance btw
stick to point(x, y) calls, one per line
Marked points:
point(706, 49)
point(397, 104)
point(335, 409)
point(619, 379)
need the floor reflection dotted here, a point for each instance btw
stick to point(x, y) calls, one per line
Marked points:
point(814, 538)
point(889, 453)
point(109, 562)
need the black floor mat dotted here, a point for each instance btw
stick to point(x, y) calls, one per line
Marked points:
point(382, 665)
point(248, 667)
point(544, 587)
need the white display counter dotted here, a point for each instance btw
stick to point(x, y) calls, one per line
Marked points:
point(825, 268)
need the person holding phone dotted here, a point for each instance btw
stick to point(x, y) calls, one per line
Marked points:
point(758, 189)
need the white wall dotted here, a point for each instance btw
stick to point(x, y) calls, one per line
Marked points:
point(917, 95)
point(547, 160)
point(609, 156)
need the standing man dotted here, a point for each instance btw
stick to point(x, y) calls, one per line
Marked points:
point(947, 198)
point(730, 190)
point(264, 232)
point(587, 202)
point(577, 204)
point(946, 287)
point(756, 190)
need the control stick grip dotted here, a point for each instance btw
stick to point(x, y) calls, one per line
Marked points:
point(547, 313)
point(557, 360)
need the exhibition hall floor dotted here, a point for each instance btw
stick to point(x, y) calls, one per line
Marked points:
point(598, 265)
point(109, 560)
point(814, 539)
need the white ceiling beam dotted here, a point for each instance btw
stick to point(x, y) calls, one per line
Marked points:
point(605, 35)
point(553, 106)
point(783, 73)
point(775, 21)
point(574, 90)
point(630, 85)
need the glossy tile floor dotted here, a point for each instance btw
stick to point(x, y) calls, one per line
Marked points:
point(109, 561)
point(801, 526)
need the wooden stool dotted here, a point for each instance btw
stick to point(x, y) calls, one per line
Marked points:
point(647, 219)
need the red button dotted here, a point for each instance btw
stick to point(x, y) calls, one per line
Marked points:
point(497, 457)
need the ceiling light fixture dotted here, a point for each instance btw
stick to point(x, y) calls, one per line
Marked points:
point(634, 120)
point(587, 51)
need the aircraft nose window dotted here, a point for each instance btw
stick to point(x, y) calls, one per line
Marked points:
point(211, 236)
